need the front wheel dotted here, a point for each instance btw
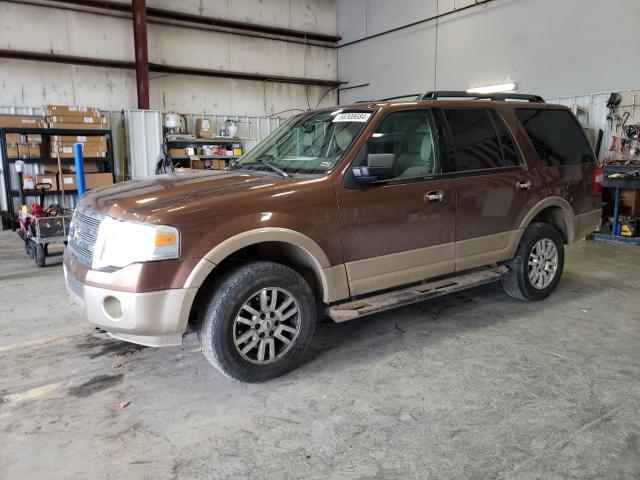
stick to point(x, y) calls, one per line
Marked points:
point(258, 322)
point(535, 270)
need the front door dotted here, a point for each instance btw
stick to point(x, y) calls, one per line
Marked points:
point(491, 184)
point(401, 230)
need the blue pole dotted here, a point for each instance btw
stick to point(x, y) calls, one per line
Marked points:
point(77, 155)
point(616, 207)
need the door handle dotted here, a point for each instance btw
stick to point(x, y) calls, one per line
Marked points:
point(434, 196)
point(523, 185)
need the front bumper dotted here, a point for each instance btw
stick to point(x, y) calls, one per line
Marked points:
point(155, 319)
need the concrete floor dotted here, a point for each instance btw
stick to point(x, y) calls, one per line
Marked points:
point(473, 386)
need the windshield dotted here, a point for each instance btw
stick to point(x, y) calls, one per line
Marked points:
point(310, 143)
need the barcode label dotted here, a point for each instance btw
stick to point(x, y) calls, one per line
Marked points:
point(352, 117)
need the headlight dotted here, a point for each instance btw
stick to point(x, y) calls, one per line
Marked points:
point(121, 243)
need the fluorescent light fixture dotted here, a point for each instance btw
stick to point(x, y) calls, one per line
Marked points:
point(501, 87)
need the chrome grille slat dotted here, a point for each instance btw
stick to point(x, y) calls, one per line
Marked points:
point(75, 286)
point(83, 234)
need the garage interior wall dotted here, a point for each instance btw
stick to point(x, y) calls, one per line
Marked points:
point(31, 26)
point(548, 47)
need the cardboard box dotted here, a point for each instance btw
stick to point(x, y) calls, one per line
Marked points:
point(78, 126)
point(33, 138)
point(204, 128)
point(68, 181)
point(90, 166)
point(630, 199)
point(21, 121)
point(87, 152)
point(71, 111)
point(15, 138)
point(35, 150)
point(96, 180)
point(50, 178)
point(218, 164)
point(28, 181)
point(196, 163)
point(96, 145)
point(12, 150)
point(177, 152)
point(71, 139)
point(77, 119)
point(23, 150)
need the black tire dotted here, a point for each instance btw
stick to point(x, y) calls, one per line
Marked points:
point(517, 282)
point(39, 255)
point(217, 321)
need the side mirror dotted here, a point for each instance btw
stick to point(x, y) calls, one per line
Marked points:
point(379, 167)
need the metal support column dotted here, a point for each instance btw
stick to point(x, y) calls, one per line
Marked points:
point(141, 53)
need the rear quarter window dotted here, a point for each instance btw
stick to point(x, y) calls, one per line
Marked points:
point(556, 135)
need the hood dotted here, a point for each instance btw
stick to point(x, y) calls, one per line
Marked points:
point(137, 199)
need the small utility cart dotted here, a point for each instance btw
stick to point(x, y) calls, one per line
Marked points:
point(42, 227)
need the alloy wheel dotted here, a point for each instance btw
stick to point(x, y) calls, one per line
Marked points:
point(543, 263)
point(267, 325)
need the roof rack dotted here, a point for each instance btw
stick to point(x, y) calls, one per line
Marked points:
point(413, 95)
point(480, 96)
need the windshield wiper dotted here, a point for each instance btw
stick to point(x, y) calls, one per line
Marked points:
point(273, 167)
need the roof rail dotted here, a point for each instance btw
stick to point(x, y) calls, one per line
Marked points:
point(413, 95)
point(480, 96)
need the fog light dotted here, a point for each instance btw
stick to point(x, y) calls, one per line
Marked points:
point(112, 307)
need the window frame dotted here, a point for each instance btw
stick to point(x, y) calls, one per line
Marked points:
point(349, 180)
point(543, 161)
point(450, 158)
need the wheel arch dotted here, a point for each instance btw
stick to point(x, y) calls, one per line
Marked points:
point(280, 245)
point(555, 211)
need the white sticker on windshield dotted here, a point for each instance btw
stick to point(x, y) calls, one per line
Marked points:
point(352, 117)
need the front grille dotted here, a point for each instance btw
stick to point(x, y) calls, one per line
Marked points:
point(83, 234)
point(75, 285)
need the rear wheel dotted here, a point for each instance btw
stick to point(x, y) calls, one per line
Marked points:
point(535, 270)
point(39, 255)
point(258, 322)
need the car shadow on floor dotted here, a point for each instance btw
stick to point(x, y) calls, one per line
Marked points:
point(437, 319)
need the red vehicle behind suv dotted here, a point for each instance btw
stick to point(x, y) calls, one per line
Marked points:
point(359, 209)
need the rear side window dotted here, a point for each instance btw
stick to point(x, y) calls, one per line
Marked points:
point(556, 136)
point(480, 140)
point(510, 155)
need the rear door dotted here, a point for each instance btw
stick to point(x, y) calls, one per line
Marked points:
point(402, 230)
point(491, 184)
point(566, 159)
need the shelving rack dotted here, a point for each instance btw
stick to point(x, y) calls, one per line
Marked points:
point(198, 142)
point(10, 191)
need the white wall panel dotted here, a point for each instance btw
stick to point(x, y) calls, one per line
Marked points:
point(352, 19)
point(395, 64)
point(48, 30)
point(549, 47)
point(384, 15)
point(25, 84)
point(314, 15)
point(180, 93)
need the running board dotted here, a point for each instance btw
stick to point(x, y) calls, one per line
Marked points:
point(386, 301)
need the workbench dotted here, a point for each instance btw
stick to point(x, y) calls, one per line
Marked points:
point(619, 177)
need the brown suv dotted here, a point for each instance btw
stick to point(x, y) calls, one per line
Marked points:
point(358, 209)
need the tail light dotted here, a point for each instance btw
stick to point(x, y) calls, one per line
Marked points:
point(596, 184)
